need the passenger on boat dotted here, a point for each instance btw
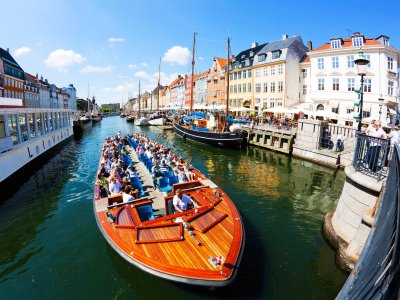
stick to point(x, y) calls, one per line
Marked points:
point(164, 167)
point(102, 182)
point(126, 196)
point(125, 183)
point(189, 174)
point(104, 169)
point(181, 202)
point(115, 186)
point(181, 175)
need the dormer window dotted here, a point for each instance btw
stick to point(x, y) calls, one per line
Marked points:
point(385, 41)
point(251, 53)
point(243, 56)
point(261, 57)
point(276, 54)
point(247, 62)
point(336, 43)
point(358, 41)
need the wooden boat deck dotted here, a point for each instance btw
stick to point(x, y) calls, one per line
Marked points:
point(164, 246)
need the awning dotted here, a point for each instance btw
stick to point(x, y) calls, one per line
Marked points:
point(392, 111)
point(349, 105)
point(367, 107)
point(334, 103)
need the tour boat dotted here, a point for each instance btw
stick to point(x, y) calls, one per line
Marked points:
point(201, 246)
point(157, 120)
point(209, 129)
point(130, 118)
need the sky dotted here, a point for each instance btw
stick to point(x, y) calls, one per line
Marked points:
point(105, 47)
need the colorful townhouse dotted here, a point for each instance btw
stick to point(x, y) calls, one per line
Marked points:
point(333, 76)
point(12, 78)
point(241, 79)
point(216, 84)
point(200, 91)
point(276, 73)
point(31, 91)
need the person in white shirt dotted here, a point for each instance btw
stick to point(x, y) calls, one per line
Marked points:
point(373, 152)
point(181, 202)
point(126, 196)
point(114, 187)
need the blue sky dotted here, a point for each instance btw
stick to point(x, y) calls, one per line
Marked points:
point(110, 45)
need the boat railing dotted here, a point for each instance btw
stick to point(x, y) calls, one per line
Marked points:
point(6, 144)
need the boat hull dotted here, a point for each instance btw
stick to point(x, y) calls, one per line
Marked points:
point(225, 140)
point(158, 122)
point(142, 122)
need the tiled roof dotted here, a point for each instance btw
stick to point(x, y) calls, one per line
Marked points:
point(278, 45)
point(6, 56)
point(221, 61)
point(305, 58)
point(349, 43)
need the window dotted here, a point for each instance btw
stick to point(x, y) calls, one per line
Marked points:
point(249, 87)
point(235, 88)
point(276, 54)
point(265, 70)
point(247, 62)
point(239, 75)
point(369, 58)
point(265, 87)
point(231, 89)
point(358, 41)
point(321, 84)
point(350, 61)
point(231, 76)
point(390, 88)
point(335, 110)
point(350, 84)
point(280, 86)
point(320, 63)
point(304, 71)
point(272, 87)
point(272, 70)
point(335, 84)
point(244, 74)
point(367, 85)
point(12, 128)
point(390, 63)
point(249, 73)
point(335, 62)
point(366, 114)
point(39, 123)
point(272, 102)
point(336, 44)
point(258, 87)
point(244, 86)
point(261, 57)
point(258, 72)
point(235, 75)
point(280, 69)
point(305, 89)
point(239, 88)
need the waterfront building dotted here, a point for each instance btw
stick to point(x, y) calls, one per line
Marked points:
point(240, 78)
point(31, 91)
point(216, 84)
point(276, 73)
point(188, 89)
point(200, 90)
point(156, 97)
point(71, 91)
point(177, 88)
point(12, 77)
point(333, 76)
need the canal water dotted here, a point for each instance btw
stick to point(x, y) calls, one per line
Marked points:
point(51, 248)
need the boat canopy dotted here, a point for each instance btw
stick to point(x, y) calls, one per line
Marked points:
point(189, 118)
point(229, 119)
point(199, 113)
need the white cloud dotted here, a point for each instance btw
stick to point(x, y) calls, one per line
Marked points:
point(96, 69)
point(143, 64)
point(116, 40)
point(201, 58)
point(21, 51)
point(143, 75)
point(177, 54)
point(132, 66)
point(124, 87)
point(60, 59)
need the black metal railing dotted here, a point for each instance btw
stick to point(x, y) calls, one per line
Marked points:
point(376, 274)
point(371, 156)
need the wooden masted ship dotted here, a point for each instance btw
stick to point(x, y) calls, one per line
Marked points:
point(200, 246)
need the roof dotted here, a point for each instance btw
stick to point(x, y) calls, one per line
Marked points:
point(221, 61)
point(305, 58)
point(278, 45)
point(349, 43)
point(6, 57)
point(241, 57)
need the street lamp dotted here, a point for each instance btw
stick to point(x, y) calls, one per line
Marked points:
point(362, 64)
point(381, 100)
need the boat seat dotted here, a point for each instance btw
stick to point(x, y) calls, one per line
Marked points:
point(163, 184)
point(145, 212)
point(173, 180)
point(114, 199)
point(159, 233)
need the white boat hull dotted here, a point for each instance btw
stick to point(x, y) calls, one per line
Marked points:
point(142, 122)
point(158, 122)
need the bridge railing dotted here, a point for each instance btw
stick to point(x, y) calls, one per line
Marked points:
point(376, 274)
point(371, 156)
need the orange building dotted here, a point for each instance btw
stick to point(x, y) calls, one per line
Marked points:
point(216, 83)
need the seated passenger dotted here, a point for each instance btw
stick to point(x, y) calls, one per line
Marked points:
point(181, 202)
point(127, 196)
point(164, 167)
point(189, 174)
point(114, 187)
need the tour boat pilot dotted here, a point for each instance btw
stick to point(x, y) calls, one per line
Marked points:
point(181, 202)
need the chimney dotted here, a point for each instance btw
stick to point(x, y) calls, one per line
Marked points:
point(254, 44)
point(284, 37)
point(8, 50)
point(309, 46)
point(179, 76)
point(356, 33)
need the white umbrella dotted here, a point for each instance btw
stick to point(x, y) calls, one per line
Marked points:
point(325, 114)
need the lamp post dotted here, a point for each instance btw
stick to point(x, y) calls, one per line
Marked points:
point(381, 100)
point(362, 64)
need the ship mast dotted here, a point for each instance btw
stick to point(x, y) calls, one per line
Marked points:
point(227, 81)
point(139, 98)
point(192, 78)
point(158, 86)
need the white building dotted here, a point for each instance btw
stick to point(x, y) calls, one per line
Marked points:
point(332, 76)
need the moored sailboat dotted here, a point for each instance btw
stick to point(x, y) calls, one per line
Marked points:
point(141, 120)
point(214, 128)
